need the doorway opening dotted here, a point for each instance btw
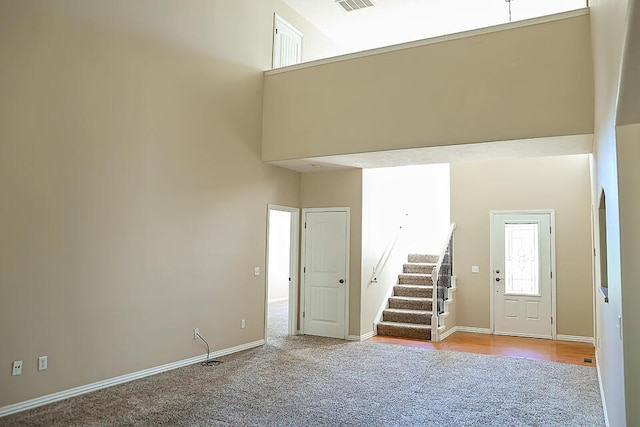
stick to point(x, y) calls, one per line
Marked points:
point(281, 294)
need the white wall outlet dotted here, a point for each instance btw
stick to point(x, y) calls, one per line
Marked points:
point(256, 271)
point(196, 332)
point(475, 269)
point(42, 363)
point(16, 367)
point(242, 324)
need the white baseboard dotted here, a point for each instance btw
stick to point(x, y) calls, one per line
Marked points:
point(449, 332)
point(473, 329)
point(360, 337)
point(575, 338)
point(77, 391)
point(604, 402)
point(367, 335)
point(278, 299)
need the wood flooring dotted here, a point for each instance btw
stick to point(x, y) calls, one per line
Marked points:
point(529, 348)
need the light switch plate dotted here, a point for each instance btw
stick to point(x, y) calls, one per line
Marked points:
point(256, 271)
point(475, 269)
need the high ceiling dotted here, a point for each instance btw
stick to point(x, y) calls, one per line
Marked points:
point(391, 22)
point(397, 21)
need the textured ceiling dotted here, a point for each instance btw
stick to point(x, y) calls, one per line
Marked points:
point(556, 146)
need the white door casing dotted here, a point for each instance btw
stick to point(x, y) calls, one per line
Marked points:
point(522, 282)
point(287, 43)
point(325, 282)
point(293, 266)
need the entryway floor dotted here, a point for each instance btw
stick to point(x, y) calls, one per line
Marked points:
point(528, 348)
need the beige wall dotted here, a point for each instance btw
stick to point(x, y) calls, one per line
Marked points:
point(609, 26)
point(560, 183)
point(342, 188)
point(628, 152)
point(526, 82)
point(134, 199)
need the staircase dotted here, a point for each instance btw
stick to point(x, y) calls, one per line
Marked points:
point(411, 305)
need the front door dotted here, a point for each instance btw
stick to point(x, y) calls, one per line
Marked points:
point(521, 274)
point(325, 237)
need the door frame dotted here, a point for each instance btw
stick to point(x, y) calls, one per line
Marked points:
point(552, 221)
point(293, 267)
point(347, 286)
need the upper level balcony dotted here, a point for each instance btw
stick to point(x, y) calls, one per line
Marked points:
point(521, 87)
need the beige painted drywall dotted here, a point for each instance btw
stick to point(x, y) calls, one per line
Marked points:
point(560, 183)
point(628, 152)
point(133, 198)
point(341, 188)
point(526, 82)
point(609, 27)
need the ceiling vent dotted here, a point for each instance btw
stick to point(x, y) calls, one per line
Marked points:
point(351, 5)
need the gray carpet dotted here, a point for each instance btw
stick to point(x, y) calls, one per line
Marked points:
point(311, 381)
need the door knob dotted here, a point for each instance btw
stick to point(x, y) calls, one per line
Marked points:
point(341, 280)
point(497, 279)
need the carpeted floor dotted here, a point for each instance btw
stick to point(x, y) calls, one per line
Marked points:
point(312, 381)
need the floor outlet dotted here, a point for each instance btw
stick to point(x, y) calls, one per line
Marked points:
point(242, 324)
point(196, 332)
point(17, 367)
point(42, 363)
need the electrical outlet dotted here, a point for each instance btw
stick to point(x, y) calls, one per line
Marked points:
point(242, 323)
point(196, 332)
point(256, 271)
point(17, 367)
point(42, 363)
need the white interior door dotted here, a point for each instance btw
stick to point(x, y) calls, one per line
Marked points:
point(521, 253)
point(287, 43)
point(325, 237)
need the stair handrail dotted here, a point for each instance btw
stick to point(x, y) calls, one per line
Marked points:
point(382, 262)
point(435, 276)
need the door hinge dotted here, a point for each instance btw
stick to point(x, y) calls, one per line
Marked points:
point(551, 274)
point(594, 251)
point(303, 314)
point(549, 230)
point(305, 225)
point(276, 31)
point(552, 320)
point(304, 269)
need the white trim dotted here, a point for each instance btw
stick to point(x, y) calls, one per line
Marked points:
point(473, 329)
point(347, 286)
point(448, 333)
point(293, 267)
point(434, 40)
point(575, 338)
point(552, 266)
point(602, 398)
point(514, 334)
point(77, 391)
point(361, 337)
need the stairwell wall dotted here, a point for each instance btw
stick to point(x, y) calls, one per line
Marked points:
point(561, 183)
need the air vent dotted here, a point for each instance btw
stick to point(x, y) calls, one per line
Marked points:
point(351, 5)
